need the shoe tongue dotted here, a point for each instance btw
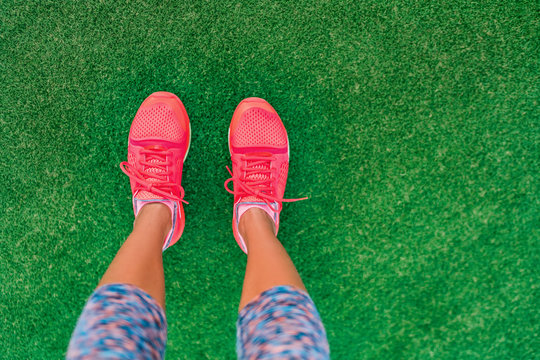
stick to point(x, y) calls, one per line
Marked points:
point(154, 147)
point(257, 176)
point(152, 159)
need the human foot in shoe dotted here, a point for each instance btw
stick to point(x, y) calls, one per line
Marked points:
point(158, 144)
point(259, 149)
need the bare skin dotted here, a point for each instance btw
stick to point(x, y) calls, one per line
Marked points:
point(139, 261)
point(268, 263)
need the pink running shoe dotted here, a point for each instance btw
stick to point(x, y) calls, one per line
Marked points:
point(159, 141)
point(259, 149)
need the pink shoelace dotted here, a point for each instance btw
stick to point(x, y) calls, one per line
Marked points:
point(154, 182)
point(256, 179)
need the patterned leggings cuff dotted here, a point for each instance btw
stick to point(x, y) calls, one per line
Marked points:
point(281, 323)
point(119, 321)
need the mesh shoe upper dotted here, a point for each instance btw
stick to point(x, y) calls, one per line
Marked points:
point(259, 127)
point(157, 121)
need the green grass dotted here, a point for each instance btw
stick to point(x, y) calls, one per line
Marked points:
point(414, 130)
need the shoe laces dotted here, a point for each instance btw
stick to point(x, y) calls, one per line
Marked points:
point(153, 175)
point(255, 177)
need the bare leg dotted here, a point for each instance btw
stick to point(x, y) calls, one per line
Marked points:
point(139, 261)
point(268, 263)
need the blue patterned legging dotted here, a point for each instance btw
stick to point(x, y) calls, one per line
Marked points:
point(121, 321)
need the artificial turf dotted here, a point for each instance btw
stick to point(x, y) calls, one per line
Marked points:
point(414, 130)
